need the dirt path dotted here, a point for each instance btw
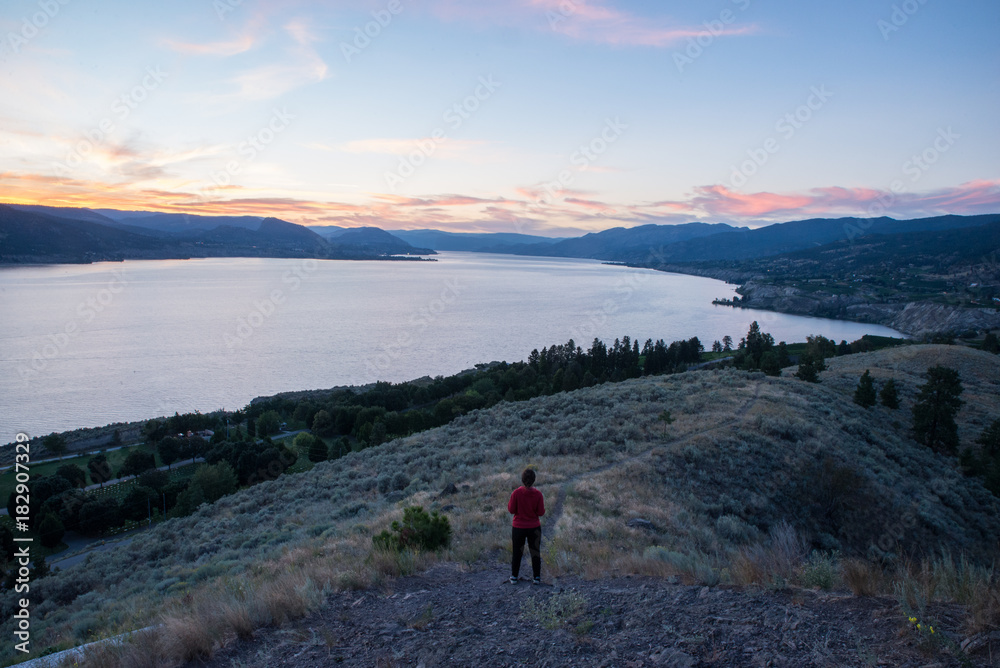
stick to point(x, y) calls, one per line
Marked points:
point(450, 617)
point(553, 515)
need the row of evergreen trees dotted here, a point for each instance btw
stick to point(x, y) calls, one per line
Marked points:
point(385, 411)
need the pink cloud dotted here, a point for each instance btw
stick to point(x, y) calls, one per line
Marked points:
point(588, 204)
point(582, 20)
point(439, 200)
point(719, 200)
point(981, 196)
point(528, 210)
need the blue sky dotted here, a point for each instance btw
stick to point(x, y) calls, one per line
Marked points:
point(537, 116)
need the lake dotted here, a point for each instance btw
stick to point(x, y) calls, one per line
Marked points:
point(86, 345)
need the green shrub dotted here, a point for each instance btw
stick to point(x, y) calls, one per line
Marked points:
point(820, 570)
point(558, 611)
point(418, 530)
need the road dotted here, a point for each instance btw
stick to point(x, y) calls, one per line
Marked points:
point(175, 465)
point(71, 455)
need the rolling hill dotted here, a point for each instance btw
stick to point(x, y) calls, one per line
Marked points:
point(945, 280)
point(373, 239)
point(30, 237)
point(754, 474)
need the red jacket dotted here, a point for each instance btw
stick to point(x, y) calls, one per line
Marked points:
point(526, 505)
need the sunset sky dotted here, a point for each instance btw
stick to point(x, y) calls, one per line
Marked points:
point(548, 117)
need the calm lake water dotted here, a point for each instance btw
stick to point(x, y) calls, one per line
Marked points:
point(88, 345)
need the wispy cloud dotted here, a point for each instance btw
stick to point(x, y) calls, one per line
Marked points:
point(301, 31)
point(582, 20)
point(230, 48)
point(294, 63)
point(272, 81)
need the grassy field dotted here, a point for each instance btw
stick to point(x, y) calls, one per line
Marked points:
point(760, 481)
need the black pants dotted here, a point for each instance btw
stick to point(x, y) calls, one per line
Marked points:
point(534, 538)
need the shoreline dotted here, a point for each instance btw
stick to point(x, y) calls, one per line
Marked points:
point(913, 319)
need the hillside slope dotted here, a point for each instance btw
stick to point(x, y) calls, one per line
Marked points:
point(626, 495)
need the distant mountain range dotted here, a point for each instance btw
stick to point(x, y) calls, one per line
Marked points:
point(471, 241)
point(58, 234)
point(619, 243)
point(40, 234)
point(701, 242)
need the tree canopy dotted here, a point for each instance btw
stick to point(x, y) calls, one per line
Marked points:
point(935, 410)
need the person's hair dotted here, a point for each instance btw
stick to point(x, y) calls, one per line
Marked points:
point(528, 477)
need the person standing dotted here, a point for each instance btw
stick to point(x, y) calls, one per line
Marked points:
point(526, 505)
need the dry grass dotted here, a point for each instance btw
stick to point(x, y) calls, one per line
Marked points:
point(862, 577)
point(775, 563)
point(192, 637)
point(942, 578)
point(984, 608)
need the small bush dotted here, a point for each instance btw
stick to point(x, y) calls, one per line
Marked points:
point(85, 628)
point(418, 530)
point(557, 612)
point(693, 568)
point(820, 571)
point(734, 529)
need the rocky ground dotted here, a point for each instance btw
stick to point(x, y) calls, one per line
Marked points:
point(450, 616)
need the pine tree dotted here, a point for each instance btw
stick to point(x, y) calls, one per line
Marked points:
point(889, 395)
point(808, 370)
point(40, 570)
point(56, 444)
point(784, 359)
point(990, 343)
point(666, 418)
point(769, 363)
point(318, 451)
point(935, 410)
point(865, 395)
point(990, 439)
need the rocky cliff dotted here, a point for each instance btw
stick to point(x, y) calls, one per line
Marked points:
point(917, 319)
